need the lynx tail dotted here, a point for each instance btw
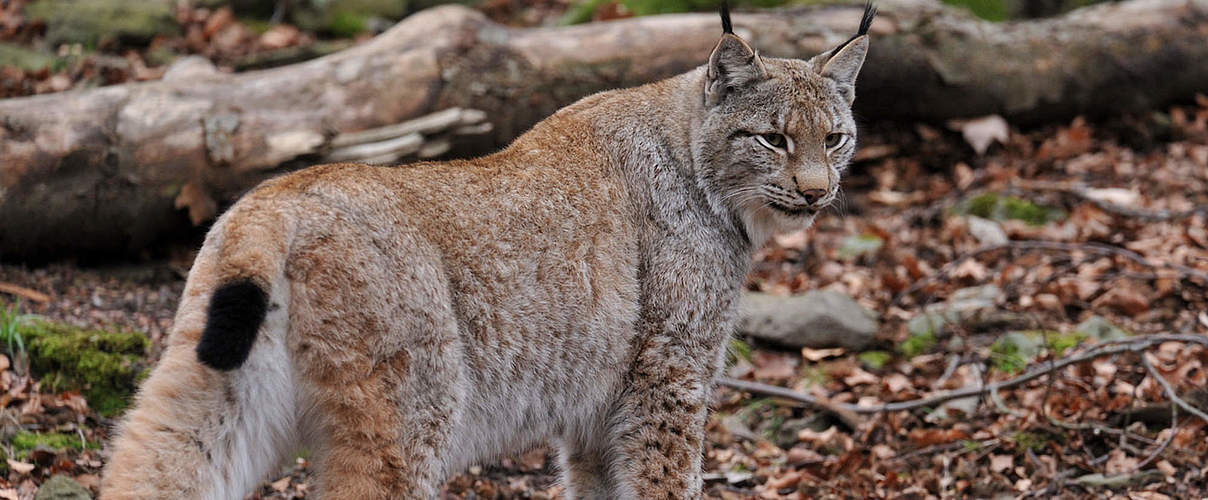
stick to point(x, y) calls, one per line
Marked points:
point(237, 310)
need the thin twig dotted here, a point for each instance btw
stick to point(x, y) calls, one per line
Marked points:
point(1093, 352)
point(841, 410)
point(20, 291)
point(953, 363)
point(1170, 392)
point(1174, 429)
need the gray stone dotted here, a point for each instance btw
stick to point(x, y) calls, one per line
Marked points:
point(973, 307)
point(1100, 329)
point(62, 488)
point(986, 231)
point(970, 299)
point(818, 319)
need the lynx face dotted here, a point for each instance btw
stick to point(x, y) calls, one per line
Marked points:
point(777, 133)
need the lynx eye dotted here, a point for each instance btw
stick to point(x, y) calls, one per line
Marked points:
point(835, 140)
point(772, 141)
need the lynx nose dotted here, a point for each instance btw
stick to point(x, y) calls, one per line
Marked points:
point(812, 195)
point(811, 187)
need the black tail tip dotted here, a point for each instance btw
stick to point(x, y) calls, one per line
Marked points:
point(726, 27)
point(236, 311)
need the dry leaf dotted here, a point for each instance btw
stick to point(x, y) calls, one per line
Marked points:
point(999, 463)
point(201, 206)
point(980, 133)
point(282, 484)
point(816, 355)
point(930, 437)
point(1115, 196)
point(897, 382)
point(20, 467)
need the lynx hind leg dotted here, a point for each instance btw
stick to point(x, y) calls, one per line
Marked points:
point(382, 376)
point(199, 433)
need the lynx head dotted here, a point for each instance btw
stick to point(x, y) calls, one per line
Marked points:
point(776, 133)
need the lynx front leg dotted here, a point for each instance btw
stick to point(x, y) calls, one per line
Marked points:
point(660, 430)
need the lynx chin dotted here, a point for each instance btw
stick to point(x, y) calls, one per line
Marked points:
point(577, 288)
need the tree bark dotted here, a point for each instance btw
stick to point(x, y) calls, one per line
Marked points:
point(104, 170)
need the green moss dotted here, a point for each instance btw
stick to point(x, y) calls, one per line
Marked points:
point(583, 10)
point(854, 247)
point(347, 24)
point(103, 365)
point(26, 59)
point(93, 22)
point(11, 321)
point(990, 10)
point(1029, 441)
point(345, 18)
point(739, 349)
point(1015, 350)
point(875, 359)
point(999, 207)
point(1058, 343)
point(25, 442)
point(815, 375)
point(917, 344)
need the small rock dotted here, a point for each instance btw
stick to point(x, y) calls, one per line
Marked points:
point(1100, 329)
point(818, 319)
point(973, 298)
point(62, 488)
point(972, 307)
point(987, 231)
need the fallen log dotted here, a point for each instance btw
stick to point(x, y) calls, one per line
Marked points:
point(112, 169)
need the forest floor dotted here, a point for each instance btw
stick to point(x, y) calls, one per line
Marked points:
point(1057, 241)
point(1071, 240)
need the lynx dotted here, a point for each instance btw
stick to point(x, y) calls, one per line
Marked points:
point(577, 288)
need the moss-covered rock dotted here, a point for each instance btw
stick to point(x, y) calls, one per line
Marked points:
point(26, 59)
point(1000, 207)
point(104, 365)
point(346, 17)
point(93, 22)
point(62, 487)
point(1015, 350)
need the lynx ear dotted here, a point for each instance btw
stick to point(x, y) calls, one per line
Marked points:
point(732, 65)
point(842, 64)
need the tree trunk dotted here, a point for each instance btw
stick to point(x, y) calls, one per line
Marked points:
point(112, 169)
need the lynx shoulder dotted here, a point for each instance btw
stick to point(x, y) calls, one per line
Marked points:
point(576, 288)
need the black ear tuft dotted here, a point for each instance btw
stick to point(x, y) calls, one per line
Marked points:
point(726, 27)
point(870, 11)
